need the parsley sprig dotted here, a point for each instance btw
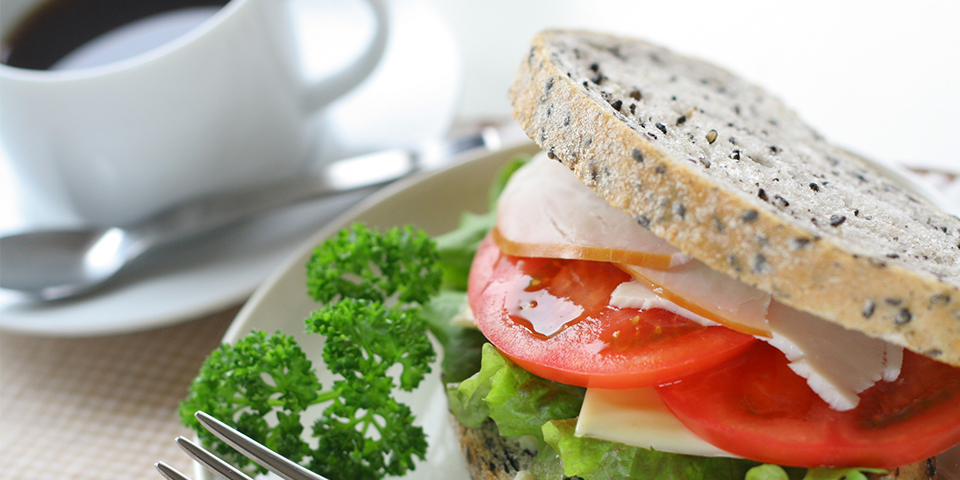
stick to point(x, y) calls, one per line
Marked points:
point(372, 287)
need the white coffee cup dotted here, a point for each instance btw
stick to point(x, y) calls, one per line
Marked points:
point(222, 107)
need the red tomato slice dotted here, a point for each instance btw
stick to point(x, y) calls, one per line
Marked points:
point(756, 407)
point(552, 318)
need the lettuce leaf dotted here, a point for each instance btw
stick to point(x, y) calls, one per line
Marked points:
point(468, 399)
point(462, 344)
point(458, 247)
point(594, 459)
point(517, 400)
point(767, 472)
point(776, 472)
point(521, 402)
point(841, 473)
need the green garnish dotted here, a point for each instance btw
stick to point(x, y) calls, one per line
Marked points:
point(361, 263)
point(372, 286)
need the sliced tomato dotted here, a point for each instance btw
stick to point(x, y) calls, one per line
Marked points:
point(756, 407)
point(553, 318)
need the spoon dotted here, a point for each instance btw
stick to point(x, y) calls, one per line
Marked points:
point(61, 263)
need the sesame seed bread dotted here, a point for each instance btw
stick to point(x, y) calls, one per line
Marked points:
point(489, 455)
point(729, 175)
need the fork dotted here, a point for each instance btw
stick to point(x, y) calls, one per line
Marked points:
point(248, 447)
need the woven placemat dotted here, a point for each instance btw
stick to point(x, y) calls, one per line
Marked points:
point(99, 408)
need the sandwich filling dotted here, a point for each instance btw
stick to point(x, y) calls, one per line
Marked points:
point(575, 291)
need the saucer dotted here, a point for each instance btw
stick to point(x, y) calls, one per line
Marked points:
point(220, 270)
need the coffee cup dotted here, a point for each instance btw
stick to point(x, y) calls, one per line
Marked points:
point(221, 105)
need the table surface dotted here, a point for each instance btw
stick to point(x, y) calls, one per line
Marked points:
point(99, 408)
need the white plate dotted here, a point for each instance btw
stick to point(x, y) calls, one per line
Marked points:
point(434, 203)
point(223, 269)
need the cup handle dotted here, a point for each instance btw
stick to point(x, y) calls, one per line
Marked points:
point(324, 91)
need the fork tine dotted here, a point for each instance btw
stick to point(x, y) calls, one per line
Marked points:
point(169, 472)
point(269, 459)
point(211, 461)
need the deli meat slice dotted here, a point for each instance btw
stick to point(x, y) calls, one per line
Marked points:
point(708, 293)
point(544, 211)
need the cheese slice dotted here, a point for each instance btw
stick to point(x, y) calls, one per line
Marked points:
point(639, 418)
point(837, 363)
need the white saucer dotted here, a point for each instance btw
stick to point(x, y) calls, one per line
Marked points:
point(222, 270)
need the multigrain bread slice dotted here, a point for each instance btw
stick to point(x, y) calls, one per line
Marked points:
point(490, 456)
point(729, 175)
point(493, 457)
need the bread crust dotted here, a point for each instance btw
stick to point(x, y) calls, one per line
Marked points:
point(489, 456)
point(924, 470)
point(735, 229)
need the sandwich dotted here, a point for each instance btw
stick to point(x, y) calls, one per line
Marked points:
point(717, 287)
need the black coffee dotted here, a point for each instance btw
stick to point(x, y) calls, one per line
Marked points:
point(108, 29)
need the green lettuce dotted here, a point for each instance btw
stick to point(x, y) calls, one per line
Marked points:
point(521, 402)
point(776, 472)
point(517, 400)
point(466, 342)
point(468, 399)
point(594, 459)
point(841, 473)
point(458, 247)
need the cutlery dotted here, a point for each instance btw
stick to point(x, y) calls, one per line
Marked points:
point(269, 459)
point(61, 263)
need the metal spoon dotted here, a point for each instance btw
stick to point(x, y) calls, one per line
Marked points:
point(56, 264)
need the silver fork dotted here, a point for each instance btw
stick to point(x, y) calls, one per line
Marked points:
point(248, 447)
